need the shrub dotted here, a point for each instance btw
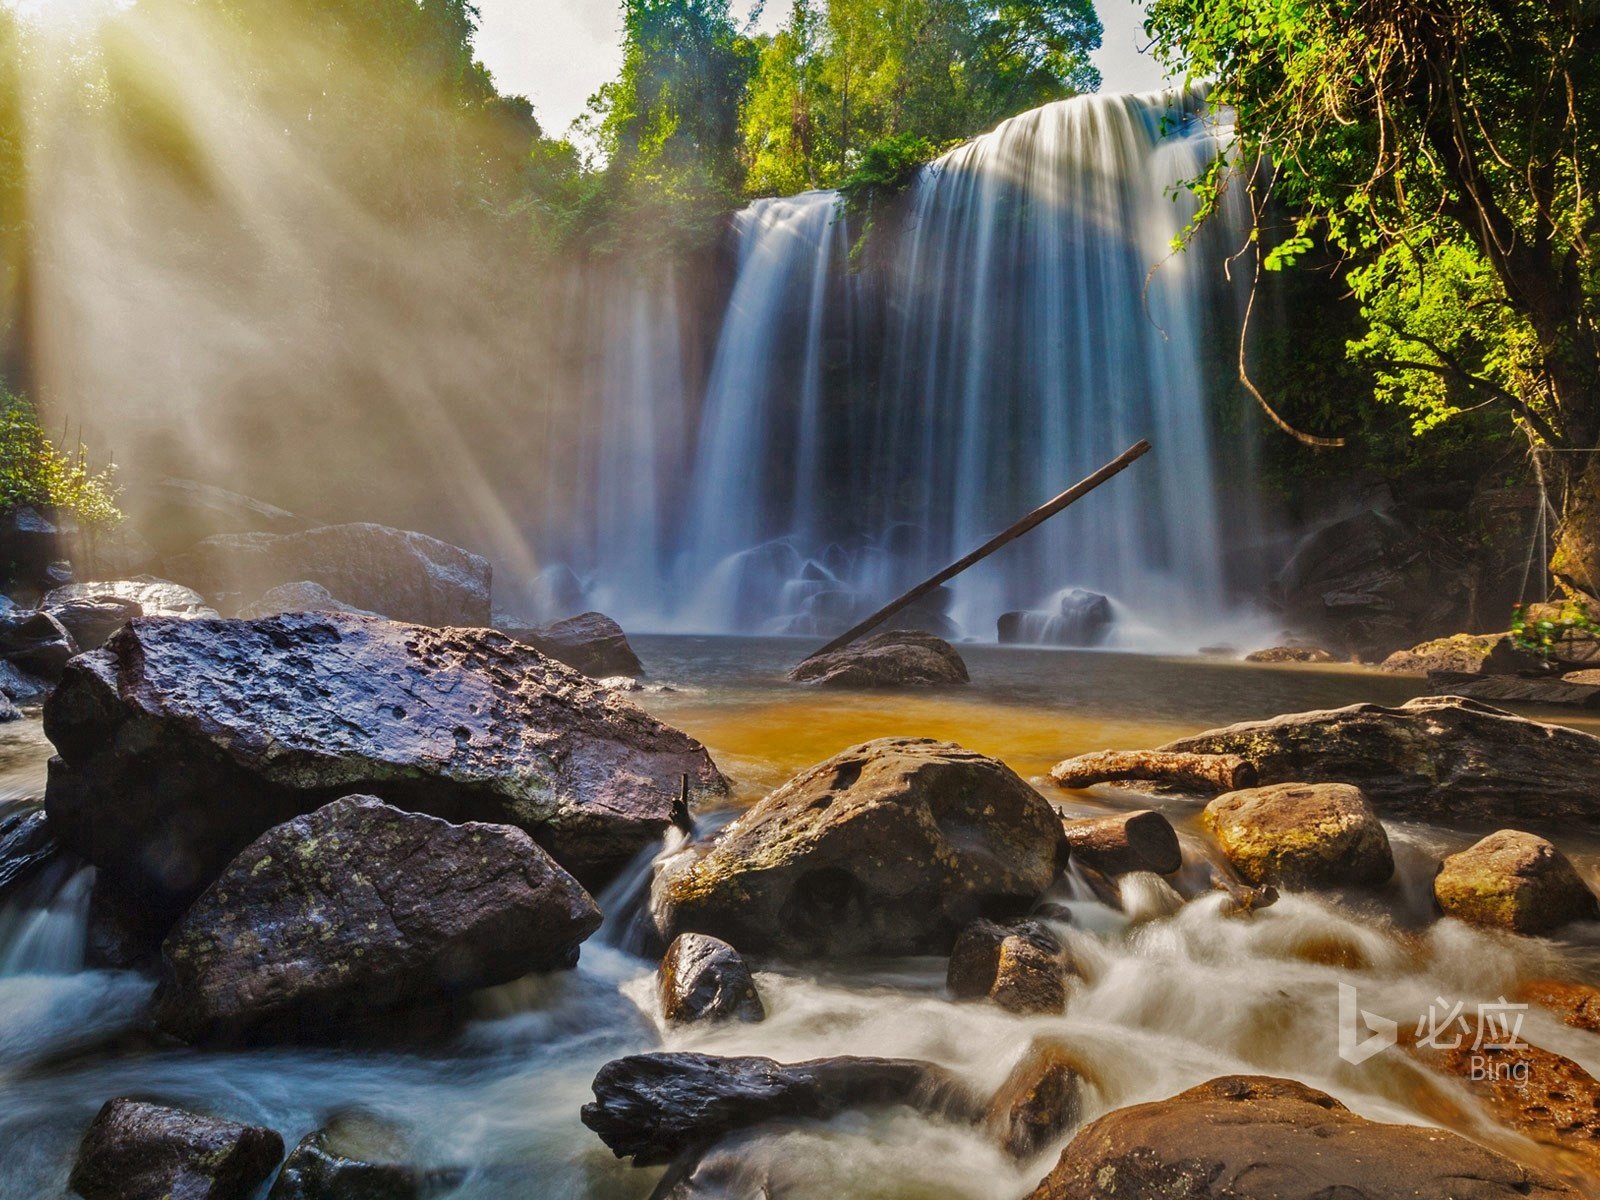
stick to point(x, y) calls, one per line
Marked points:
point(34, 472)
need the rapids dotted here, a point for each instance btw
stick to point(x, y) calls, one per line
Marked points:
point(1175, 994)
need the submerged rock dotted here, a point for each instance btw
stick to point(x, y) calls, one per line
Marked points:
point(1516, 881)
point(183, 741)
point(298, 597)
point(1039, 1102)
point(35, 642)
point(26, 845)
point(405, 575)
point(93, 620)
point(1302, 836)
point(339, 919)
point(888, 848)
point(315, 1170)
point(703, 979)
point(1018, 965)
point(155, 597)
point(656, 1107)
point(1255, 1138)
point(1126, 842)
point(137, 1151)
point(592, 643)
point(1577, 1004)
point(1437, 758)
point(900, 658)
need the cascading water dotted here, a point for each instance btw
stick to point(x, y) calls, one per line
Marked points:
point(1024, 320)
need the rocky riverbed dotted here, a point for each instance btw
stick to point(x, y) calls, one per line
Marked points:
point(844, 1065)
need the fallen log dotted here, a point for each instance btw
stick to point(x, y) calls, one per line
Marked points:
point(1127, 842)
point(1206, 773)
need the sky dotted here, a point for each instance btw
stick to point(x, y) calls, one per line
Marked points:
point(558, 52)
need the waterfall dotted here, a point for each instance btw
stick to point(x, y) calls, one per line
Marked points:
point(1024, 320)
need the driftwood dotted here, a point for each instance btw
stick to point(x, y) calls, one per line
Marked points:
point(1243, 899)
point(1138, 841)
point(1206, 773)
point(1028, 523)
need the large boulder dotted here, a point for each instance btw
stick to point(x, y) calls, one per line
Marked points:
point(35, 642)
point(173, 514)
point(900, 658)
point(1019, 965)
point(592, 643)
point(1081, 618)
point(1439, 758)
point(181, 742)
point(1252, 1138)
point(405, 575)
point(137, 1151)
point(1302, 835)
point(703, 978)
point(1463, 654)
point(93, 621)
point(341, 918)
point(298, 597)
point(155, 597)
point(317, 1169)
point(655, 1107)
point(888, 848)
point(1516, 881)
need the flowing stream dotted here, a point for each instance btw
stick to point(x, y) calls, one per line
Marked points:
point(1174, 993)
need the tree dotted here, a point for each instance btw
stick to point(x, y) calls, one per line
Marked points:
point(1447, 149)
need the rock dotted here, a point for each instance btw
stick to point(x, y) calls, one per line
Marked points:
point(1577, 1004)
point(404, 575)
point(897, 659)
point(315, 1170)
point(1081, 619)
point(155, 597)
point(1302, 836)
point(1543, 1096)
point(888, 848)
point(26, 845)
point(123, 933)
point(93, 621)
point(19, 686)
point(1039, 1102)
point(1292, 654)
point(1463, 654)
point(35, 642)
point(183, 741)
point(1254, 1138)
point(1116, 845)
point(1439, 757)
point(1017, 965)
point(137, 1151)
point(1516, 881)
point(8, 710)
point(173, 514)
point(337, 920)
point(655, 1107)
point(1515, 689)
point(592, 643)
point(297, 597)
point(704, 979)
point(30, 540)
point(1586, 678)
point(1242, 900)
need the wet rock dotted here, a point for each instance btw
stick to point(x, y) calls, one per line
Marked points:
point(1018, 965)
point(656, 1107)
point(297, 597)
point(26, 846)
point(123, 934)
point(1116, 845)
point(703, 979)
point(405, 575)
point(1081, 619)
point(93, 621)
point(19, 687)
point(1577, 1004)
point(1439, 758)
point(1463, 654)
point(1575, 645)
point(592, 643)
point(1242, 899)
point(1516, 689)
point(336, 920)
point(173, 514)
point(182, 741)
point(30, 540)
point(1254, 1138)
point(8, 710)
point(889, 848)
point(315, 1170)
point(1302, 836)
point(155, 597)
point(1515, 881)
point(137, 1151)
point(1039, 1102)
point(1292, 654)
point(900, 658)
point(35, 642)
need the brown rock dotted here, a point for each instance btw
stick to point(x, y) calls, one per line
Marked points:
point(1516, 689)
point(137, 1151)
point(1256, 1138)
point(1017, 965)
point(1516, 881)
point(1039, 1102)
point(1292, 654)
point(1578, 1004)
point(703, 979)
point(592, 643)
point(1463, 654)
point(889, 848)
point(900, 658)
point(1302, 836)
point(1116, 845)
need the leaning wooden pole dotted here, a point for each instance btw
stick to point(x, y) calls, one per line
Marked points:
point(1028, 523)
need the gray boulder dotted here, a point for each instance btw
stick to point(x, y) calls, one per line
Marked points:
point(592, 643)
point(405, 575)
point(155, 597)
point(898, 659)
point(338, 920)
point(35, 642)
point(137, 1151)
point(181, 742)
point(298, 597)
point(173, 514)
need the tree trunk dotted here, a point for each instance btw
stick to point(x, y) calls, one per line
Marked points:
point(1575, 561)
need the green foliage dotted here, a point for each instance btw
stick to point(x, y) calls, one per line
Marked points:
point(1541, 634)
point(34, 472)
